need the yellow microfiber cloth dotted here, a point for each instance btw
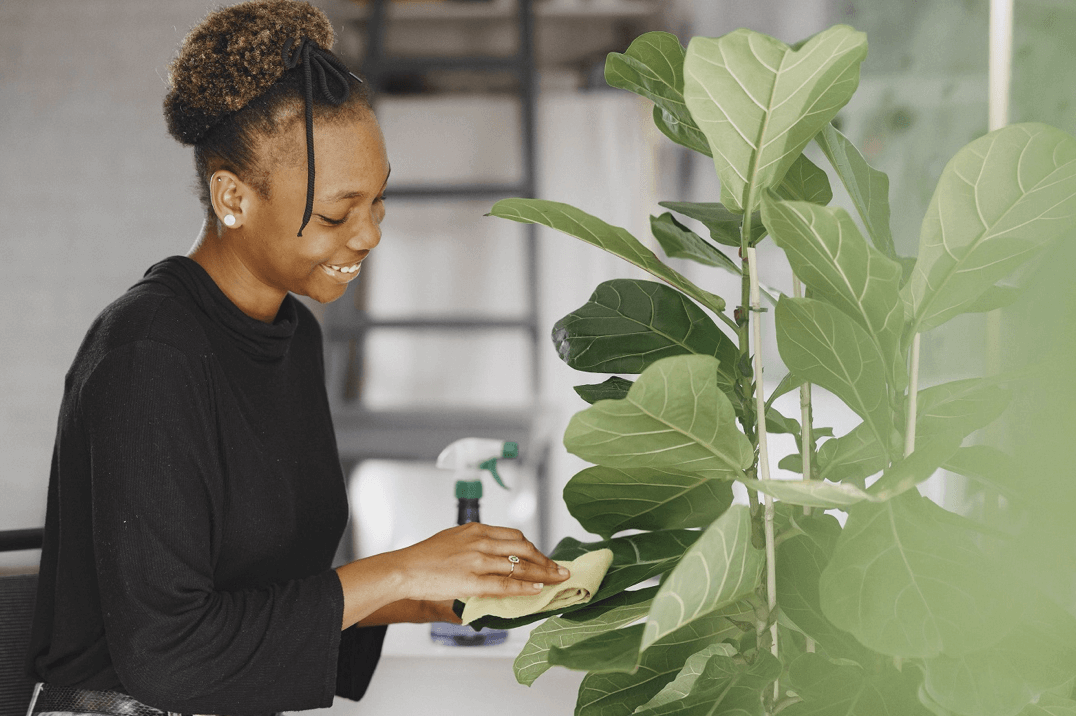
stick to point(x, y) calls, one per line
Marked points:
point(587, 573)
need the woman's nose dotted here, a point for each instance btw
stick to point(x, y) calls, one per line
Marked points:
point(367, 237)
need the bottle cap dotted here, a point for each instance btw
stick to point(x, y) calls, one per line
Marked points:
point(468, 489)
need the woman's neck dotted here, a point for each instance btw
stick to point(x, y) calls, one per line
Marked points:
point(226, 267)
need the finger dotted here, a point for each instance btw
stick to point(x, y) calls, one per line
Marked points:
point(495, 532)
point(491, 586)
point(521, 548)
point(525, 571)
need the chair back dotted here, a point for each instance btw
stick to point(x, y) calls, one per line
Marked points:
point(17, 595)
point(18, 592)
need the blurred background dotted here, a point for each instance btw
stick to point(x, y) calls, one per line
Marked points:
point(446, 334)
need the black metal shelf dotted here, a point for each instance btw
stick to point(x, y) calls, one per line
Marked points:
point(421, 433)
point(457, 191)
point(364, 323)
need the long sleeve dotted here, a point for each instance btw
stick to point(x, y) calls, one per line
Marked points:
point(360, 649)
point(177, 640)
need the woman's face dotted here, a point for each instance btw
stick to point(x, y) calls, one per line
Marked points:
point(351, 172)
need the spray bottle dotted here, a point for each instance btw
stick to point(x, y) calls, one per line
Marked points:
point(468, 459)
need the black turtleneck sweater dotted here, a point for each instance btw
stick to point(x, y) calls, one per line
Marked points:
point(194, 507)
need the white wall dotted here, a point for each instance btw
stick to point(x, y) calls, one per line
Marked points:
point(92, 192)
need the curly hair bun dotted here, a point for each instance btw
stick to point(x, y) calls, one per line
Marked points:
point(233, 56)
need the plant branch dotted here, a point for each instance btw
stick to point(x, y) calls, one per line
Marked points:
point(913, 390)
point(805, 431)
point(763, 451)
point(728, 321)
point(805, 410)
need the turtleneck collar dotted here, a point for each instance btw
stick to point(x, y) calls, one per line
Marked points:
point(263, 341)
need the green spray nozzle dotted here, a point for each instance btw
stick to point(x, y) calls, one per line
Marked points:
point(491, 465)
point(470, 456)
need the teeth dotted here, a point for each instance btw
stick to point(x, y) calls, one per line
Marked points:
point(344, 269)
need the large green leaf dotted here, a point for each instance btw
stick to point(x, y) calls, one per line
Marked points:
point(928, 456)
point(868, 187)
point(1000, 680)
point(721, 568)
point(593, 230)
point(843, 689)
point(800, 561)
point(898, 478)
point(613, 650)
point(680, 687)
point(811, 493)
point(627, 325)
point(683, 132)
point(1051, 705)
point(636, 558)
point(759, 102)
point(823, 345)
point(805, 181)
point(727, 685)
point(619, 694)
point(675, 417)
point(621, 610)
point(1000, 200)
point(619, 649)
point(724, 225)
point(826, 250)
point(653, 66)
point(852, 457)
point(994, 298)
point(607, 500)
point(680, 242)
point(908, 582)
point(614, 388)
point(958, 408)
point(990, 467)
point(945, 412)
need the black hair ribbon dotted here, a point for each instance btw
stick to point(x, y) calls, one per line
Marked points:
point(327, 66)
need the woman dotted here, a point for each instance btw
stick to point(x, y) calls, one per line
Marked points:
point(196, 497)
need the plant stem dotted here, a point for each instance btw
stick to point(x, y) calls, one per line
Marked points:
point(805, 410)
point(805, 431)
point(763, 452)
point(913, 390)
point(728, 321)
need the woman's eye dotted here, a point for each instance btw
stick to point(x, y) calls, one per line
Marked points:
point(332, 222)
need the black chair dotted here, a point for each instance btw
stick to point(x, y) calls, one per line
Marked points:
point(17, 595)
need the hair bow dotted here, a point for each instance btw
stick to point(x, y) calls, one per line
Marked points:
point(327, 66)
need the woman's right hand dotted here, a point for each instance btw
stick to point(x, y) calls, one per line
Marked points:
point(471, 560)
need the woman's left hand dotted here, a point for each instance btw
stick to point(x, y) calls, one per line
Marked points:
point(412, 611)
point(442, 612)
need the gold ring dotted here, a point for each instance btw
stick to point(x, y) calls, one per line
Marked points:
point(514, 560)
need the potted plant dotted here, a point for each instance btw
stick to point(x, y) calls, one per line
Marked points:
point(904, 607)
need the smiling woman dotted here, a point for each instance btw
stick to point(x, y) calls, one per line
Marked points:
point(196, 497)
point(257, 258)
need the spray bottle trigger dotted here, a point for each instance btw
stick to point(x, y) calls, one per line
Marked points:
point(491, 465)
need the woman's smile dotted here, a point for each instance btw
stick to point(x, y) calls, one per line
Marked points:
point(342, 274)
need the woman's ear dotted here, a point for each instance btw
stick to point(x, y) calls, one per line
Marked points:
point(228, 194)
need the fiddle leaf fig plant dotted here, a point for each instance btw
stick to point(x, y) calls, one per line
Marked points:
point(900, 606)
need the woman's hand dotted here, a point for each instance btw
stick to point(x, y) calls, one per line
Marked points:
point(412, 611)
point(471, 560)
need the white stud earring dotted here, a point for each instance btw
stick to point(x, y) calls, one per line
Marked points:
point(229, 220)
